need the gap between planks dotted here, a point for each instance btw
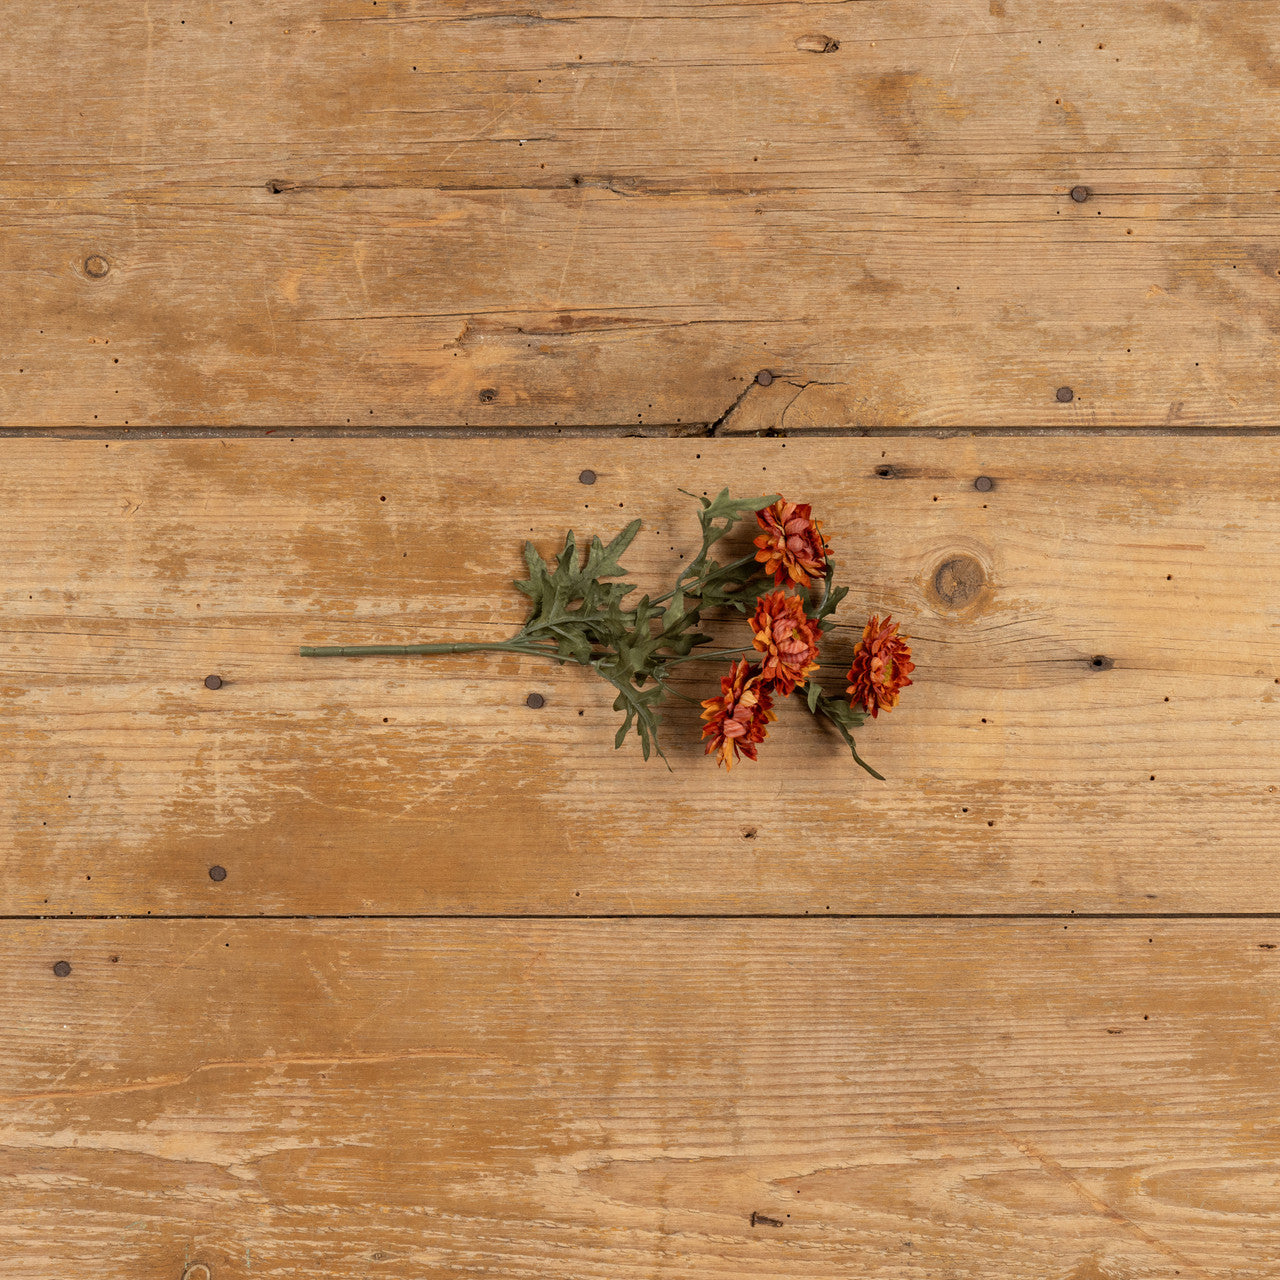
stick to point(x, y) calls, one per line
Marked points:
point(681, 915)
point(685, 431)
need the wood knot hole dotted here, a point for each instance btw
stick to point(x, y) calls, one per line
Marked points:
point(816, 42)
point(96, 266)
point(958, 581)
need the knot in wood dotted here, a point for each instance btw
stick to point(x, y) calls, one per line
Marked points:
point(817, 43)
point(958, 581)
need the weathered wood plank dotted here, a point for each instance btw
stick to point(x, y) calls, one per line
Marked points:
point(588, 1099)
point(1021, 776)
point(444, 214)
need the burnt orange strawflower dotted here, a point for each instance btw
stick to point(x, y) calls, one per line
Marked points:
point(792, 547)
point(787, 638)
point(881, 664)
point(737, 718)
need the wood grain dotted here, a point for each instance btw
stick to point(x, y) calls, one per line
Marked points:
point(1093, 725)
point(1066, 1100)
point(608, 213)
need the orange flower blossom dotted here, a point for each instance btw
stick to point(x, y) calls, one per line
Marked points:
point(737, 718)
point(787, 638)
point(881, 664)
point(792, 546)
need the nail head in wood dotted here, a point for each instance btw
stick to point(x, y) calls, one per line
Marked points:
point(535, 700)
point(765, 377)
point(1080, 194)
point(984, 484)
point(61, 969)
point(586, 477)
point(217, 874)
point(213, 682)
point(1065, 395)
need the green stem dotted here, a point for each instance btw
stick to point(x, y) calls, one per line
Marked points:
point(692, 588)
point(675, 693)
point(404, 650)
point(707, 657)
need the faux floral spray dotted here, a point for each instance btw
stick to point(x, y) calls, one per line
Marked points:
point(784, 589)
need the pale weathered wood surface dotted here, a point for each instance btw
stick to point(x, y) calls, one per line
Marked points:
point(588, 1100)
point(615, 213)
point(1021, 777)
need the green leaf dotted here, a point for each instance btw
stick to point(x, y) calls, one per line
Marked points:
point(555, 595)
point(815, 692)
point(638, 707)
point(830, 598)
point(535, 584)
point(845, 718)
point(573, 643)
point(832, 601)
point(718, 515)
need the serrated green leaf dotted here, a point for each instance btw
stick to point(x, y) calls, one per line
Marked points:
point(718, 515)
point(571, 642)
point(637, 706)
point(574, 595)
point(535, 584)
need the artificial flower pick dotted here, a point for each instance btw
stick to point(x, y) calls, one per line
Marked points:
point(785, 587)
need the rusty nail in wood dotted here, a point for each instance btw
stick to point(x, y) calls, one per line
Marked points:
point(1065, 395)
point(1080, 194)
point(535, 700)
point(217, 874)
point(213, 682)
point(764, 377)
point(62, 968)
point(984, 484)
point(586, 477)
point(96, 265)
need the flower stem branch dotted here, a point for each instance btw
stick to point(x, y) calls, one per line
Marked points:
point(406, 650)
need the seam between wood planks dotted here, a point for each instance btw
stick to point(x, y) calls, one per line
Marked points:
point(678, 915)
point(692, 431)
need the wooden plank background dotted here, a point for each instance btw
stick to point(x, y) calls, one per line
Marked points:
point(589, 1099)
point(434, 212)
point(367, 968)
point(1093, 727)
